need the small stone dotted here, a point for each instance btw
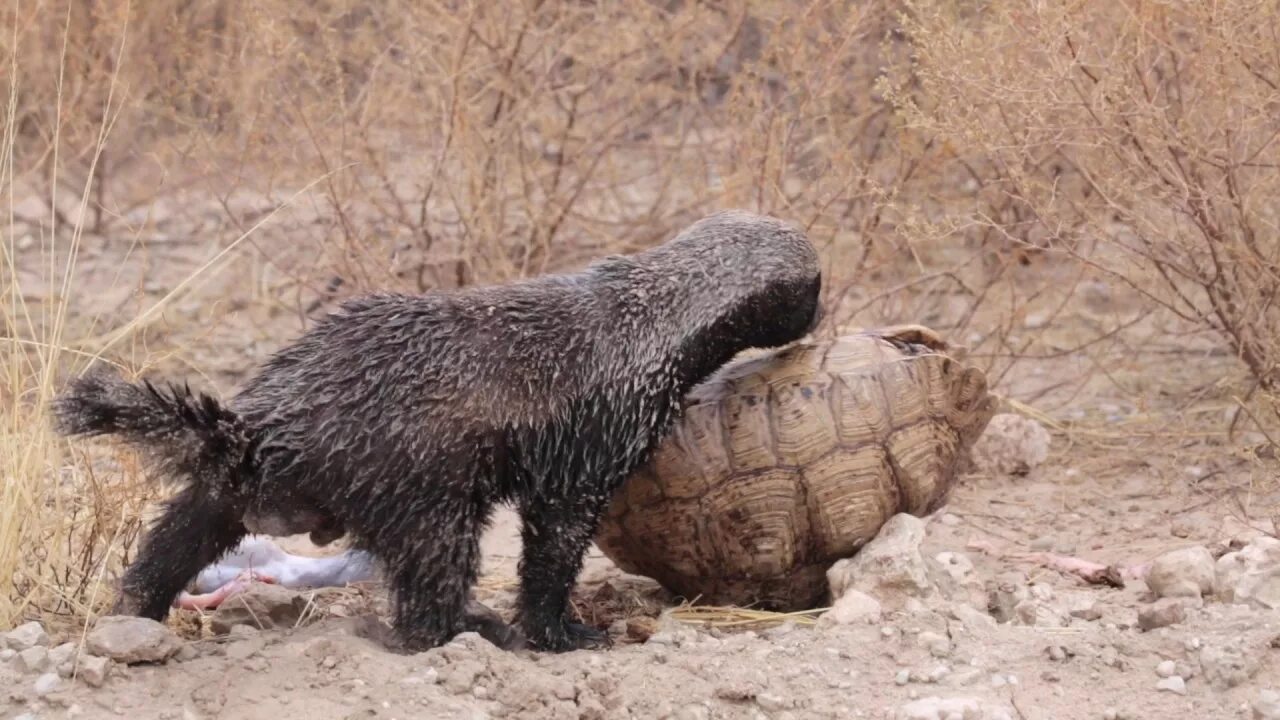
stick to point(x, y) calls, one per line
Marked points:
point(853, 607)
point(1042, 544)
point(937, 645)
point(972, 618)
point(661, 638)
point(34, 659)
point(1110, 714)
point(1165, 612)
point(26, 635)
point(641, 627)
point(1185, 572)
point(950, 519)
point(1182, 527)
point(329, 662)
point(1057, 653)
point(1011, 444)
point(1251, 575)
point(889, 568)
point(958, 566)
point(62, 656)
point(1227, 666)
point(964, 676)
point(259, 606)
point(770, 702)
point(1267, 705)
point(93, 670)
point(1167, 668)
point(130, 640)
point(1173, 684)
point(46, 683)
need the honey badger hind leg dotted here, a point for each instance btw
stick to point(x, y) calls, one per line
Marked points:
point(555, 535)
point(431, 574)
point(193, 531)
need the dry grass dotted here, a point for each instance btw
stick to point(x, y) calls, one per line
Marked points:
point(1084, 182)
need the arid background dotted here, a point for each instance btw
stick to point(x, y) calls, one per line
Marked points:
point(1085, 194)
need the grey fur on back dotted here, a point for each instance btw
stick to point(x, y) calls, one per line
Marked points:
point(405, 418)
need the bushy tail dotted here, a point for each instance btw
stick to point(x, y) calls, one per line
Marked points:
point(191, 437)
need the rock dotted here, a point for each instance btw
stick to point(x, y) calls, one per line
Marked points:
point(936, 708)
point(889, 568)
point(853, 607)
point(1165, 612)
point(46, 684)
point(972, 618)
point(1185, 572)
point(1267, 705)
point(1167, 668)
point(32, 660)
point(260, 606)
point(93, 670)
point(958, 566)
point(1011, 445)
point(771, 702)
point(641, 627)
point(937, 645)
point(1251, 575)
point(1226, 667)
point(132, 640)
point(26, 635)
point(1173, 684)
point(61, 657)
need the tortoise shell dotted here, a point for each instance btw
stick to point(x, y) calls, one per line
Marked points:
point(784, 463)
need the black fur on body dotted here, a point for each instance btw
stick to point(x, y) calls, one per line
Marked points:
point(404, 419)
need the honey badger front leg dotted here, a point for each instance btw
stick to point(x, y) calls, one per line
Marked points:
point(555, 534)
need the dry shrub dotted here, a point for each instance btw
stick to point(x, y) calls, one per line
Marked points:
point(417, 145)
point(449, 143)
point(1139, 138)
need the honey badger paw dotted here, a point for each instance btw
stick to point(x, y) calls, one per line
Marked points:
point(570, 636)
point(490, 625)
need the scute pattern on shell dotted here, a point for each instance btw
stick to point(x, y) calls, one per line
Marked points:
point(785, 463)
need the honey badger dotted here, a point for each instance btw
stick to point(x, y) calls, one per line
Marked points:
point(403, 419)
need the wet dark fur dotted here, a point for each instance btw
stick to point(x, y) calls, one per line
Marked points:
point(404, 419)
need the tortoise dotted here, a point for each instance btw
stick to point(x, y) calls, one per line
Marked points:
point(783, 463)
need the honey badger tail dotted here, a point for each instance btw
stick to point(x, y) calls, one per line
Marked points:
point(190, 437)
point(194, 440)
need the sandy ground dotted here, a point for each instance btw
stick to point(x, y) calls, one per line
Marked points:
point(1074, 651)
point(1095, 663)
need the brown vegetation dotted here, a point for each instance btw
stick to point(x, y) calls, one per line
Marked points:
point(1011, 174)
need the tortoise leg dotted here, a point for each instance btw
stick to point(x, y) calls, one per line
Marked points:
point(555, 536)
